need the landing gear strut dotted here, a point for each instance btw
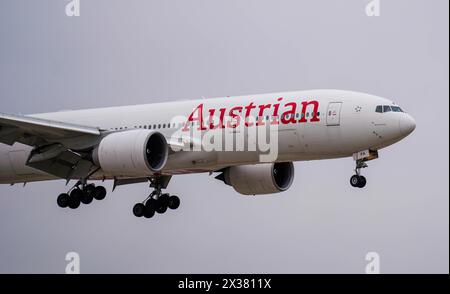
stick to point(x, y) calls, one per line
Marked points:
point(361, 158)
point(358, 180)
point(81, 193)
point(156, 202)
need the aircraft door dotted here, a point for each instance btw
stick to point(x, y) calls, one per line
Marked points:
point(334, 113)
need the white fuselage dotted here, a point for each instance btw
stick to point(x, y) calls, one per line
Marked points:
point(342, 124)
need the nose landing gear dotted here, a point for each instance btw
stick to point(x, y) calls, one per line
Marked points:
point(361, 158)
point(358, 180)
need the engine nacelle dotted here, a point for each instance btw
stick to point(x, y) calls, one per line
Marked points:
point(265, 178)
point(132, 153)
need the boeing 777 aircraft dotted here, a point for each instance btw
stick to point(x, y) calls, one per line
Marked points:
point(146, 143)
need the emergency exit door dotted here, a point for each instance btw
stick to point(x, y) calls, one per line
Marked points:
point(334, 113)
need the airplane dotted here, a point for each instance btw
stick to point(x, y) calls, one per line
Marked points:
point(144, 143)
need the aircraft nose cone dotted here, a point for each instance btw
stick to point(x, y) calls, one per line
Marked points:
point(407, 125)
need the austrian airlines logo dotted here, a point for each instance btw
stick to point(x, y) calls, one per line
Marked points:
point(261, 112)
point(251, 128)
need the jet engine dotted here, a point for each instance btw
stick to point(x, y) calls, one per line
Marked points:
point(265, 178)
point(132, 153)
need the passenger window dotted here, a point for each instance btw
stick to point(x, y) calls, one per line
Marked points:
point(379, 109)
point(386, 108)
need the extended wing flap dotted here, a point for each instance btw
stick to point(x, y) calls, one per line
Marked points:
point(66, 165)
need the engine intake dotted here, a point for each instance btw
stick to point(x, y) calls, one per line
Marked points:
point(132, 153)
point(266, 178)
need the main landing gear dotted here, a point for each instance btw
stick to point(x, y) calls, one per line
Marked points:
point(81, 193)
point(156, 202)
point(358, 180)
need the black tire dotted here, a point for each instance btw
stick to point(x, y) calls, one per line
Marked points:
point(63, 200)
point(87, 197)
point(174, 202)
point(354, 181)
point(161, 206)
point(90, 189)
point(138, 209)
point(149, 212)
point(76, 194)
point(74, 202)
point(362, 182)
point(151, 203)
point(100, 193)
point(164, 200)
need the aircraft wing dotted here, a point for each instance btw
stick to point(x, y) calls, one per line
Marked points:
point(36, 131)
point(59, 148)
point(52, 141)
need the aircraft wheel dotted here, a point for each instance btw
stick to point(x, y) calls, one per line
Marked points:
point(151, 203)
point(354, 181)
point(138, 209)
point(362, 182)
point(74, 202)
point(100, 193)
point(161, 205)
point(76, 194)
point(174, 202)
point(89, 189)
point(63, 200)
point(87, 197)
point(164, 199)
point(149, 212)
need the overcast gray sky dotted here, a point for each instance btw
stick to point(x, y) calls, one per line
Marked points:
point(131, 52)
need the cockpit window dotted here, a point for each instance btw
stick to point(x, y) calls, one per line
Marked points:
point(386, 108)
point(396, 109)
